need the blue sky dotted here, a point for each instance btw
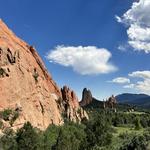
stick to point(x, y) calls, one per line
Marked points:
point(55, 26)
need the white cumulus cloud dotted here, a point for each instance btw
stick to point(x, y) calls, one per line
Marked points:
point(137, 80)
point(129, 86)
point(138, 20)
point(84, 60)
point(140, 74)
point(120, 80)
point(142, 85)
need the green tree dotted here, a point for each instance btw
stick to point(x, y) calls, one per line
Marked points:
point(5, 114)
point(98, 132)
point(49, 137)
point(71, 137)
point(134, 142)
point(27, 138)
point(137, 124)
point(8, 141)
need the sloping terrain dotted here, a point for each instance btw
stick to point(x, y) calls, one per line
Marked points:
point(27, 88)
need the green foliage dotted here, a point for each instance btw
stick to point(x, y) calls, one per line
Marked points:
point(6, 114)
point(64, 116)
point(8, 141)
point(15, 115)
point(2, 72)
point(105, 130)
point(71, 137)
point(79, 111)
point(27, 138)
point(9, 115)
point(98, 131)
point(134, 142)
point(35, 75)
point(49, 137)
point(137, 124)
point(1, 124)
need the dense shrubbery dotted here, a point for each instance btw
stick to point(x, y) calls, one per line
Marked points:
point(70, 136)
point(8, 115)
point(8, 140)
point(98, 131)
point(95, 134)
point(135, 142)
point(123, 119)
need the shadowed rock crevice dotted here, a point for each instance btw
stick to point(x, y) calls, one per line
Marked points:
point(11, 57)
point(3, 73)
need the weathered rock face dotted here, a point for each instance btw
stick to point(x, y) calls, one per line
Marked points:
point(26, 85)
point(111, 102)
point(70, 106)
point(86, 97)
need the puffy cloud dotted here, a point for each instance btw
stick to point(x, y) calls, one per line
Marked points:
point(142, 86)
point(139, 81)
point(84, 60)
point(140, 74)
point(118, 19)
point(129, 86)
point(135, 30)
point(138, 20)
point(120, 80)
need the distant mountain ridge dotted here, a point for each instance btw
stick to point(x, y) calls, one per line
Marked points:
point(141, 100)
point(124, 101)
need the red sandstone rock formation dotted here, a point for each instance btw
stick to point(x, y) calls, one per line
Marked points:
point(71, 105)
point(110, 103)
point(86, 97)
point(26, 84)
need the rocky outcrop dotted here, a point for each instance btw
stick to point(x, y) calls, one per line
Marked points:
point(110, 103)
point(26, 84)
point(86, 97)
point(70, 106)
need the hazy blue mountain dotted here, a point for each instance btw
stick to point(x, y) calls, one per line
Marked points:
point(142, 100)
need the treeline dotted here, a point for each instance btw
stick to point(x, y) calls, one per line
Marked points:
point(127, 119)
point(121, 118)
point(94, 134)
